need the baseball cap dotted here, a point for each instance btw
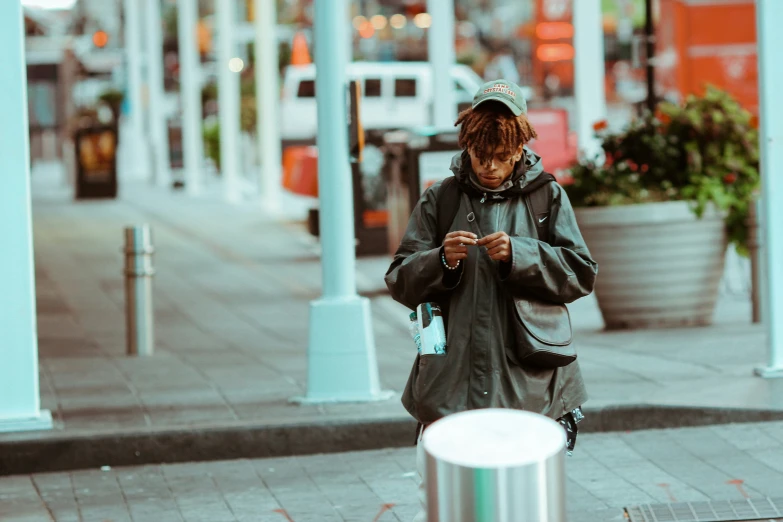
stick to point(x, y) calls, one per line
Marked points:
point(507, 93)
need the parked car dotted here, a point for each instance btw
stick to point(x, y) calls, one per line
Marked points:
point(395, 95)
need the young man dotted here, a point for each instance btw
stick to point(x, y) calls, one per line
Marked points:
point(490, 256)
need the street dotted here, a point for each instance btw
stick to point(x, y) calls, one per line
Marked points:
point(607, 473)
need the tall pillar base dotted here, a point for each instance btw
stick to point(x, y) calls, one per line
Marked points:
point(769, 372)
point(42, 422)
point(342, 366)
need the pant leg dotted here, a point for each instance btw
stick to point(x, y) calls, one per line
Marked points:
point(421, 467)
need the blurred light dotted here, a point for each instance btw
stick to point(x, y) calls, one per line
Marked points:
point(49, 4)
point(423, 20)
point(398, 21)
point(555, 52)
point(358, 22)
point(236, 65)
point(379, 22)
point(367, 30)
point(100, 39)
point(554, 30)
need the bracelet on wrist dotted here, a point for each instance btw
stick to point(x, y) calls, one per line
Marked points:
point(446, 264)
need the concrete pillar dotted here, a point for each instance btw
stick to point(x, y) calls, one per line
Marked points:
point(589, 73)
point(228, 99)
point(341, 353)
point(133, 160)
point(267, 100)
point(440, 46)
point(769, 17)
point(20, 407)
point(158, 128)
point(190, 96)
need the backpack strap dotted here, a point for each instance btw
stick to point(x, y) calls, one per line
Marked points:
point(538, 195)
point(539, 201)
point(448, 206)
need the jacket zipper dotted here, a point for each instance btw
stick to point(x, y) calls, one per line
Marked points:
point(475, 298)
point(495, 209)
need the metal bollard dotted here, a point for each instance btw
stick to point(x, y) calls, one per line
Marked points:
point(495, 465)
point(139, 318)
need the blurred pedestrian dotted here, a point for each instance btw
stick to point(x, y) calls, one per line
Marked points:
point(497, 246)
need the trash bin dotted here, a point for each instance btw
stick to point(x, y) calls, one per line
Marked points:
point(96, 162)
point(371, 214)
point(414, 161)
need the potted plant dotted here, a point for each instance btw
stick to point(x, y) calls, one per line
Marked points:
point(658, 209)
point(113, 99)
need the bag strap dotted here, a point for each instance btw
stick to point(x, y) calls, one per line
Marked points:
point(539, 201)
point(538, 195)
point(448, 206)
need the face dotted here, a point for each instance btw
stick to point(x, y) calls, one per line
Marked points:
point(500, 167)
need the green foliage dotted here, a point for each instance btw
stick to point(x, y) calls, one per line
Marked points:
point(212, 143)
point(247, 102)
point(112, 97)
point(211, 131)
point(248, 114)
point(705, 151)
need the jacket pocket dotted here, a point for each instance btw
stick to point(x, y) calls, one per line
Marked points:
point(429, 387)
point(542, 334)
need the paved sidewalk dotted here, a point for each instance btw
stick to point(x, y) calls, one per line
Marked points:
point(607, 473)
point(232, 293)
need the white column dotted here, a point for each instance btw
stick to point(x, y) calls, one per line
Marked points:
point(268, 98)
point(769, 17)
point(19, 396)
point(158, 131)
point(190, 95)
point(133, 160)
point(341, 353)
point(589, 73)
point(228, 99)
point(440, 46)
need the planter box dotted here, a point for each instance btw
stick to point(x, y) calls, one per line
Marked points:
point(658, 264)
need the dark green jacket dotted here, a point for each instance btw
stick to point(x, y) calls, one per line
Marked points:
point(479, 369)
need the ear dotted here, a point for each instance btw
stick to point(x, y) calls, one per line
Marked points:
point(519, 153)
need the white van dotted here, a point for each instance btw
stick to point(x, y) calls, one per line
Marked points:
point(395, 95)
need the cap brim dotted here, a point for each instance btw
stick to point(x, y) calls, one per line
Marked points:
point(516, 111)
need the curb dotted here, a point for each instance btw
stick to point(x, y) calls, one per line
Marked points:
point(38, 452)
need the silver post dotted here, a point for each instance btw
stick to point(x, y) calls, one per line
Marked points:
point(139, 318)
point(495, 465)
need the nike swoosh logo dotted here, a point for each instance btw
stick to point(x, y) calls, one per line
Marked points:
point(543, 219)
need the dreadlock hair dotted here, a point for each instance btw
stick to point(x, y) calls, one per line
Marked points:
point(489, 126)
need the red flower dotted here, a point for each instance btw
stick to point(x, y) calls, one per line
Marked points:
point(662, 117)
point(600, 125)
point(632, 165)
point(754, 121)
point(645, 168)
point(730, 178)
point(609, 160)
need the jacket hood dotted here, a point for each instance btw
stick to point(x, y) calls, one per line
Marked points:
point(527, 169)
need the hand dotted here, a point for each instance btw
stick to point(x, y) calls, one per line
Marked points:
point(498, 246)
point(455, 246)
